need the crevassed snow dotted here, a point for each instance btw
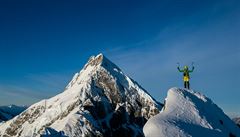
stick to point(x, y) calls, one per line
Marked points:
point(190, 114)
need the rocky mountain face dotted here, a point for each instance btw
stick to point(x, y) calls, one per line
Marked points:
point(100, 101)
point(8, 112)
point(187, 113)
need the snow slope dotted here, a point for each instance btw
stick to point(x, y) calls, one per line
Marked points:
point(100, 100)
point(187, 113)
point(8, 112)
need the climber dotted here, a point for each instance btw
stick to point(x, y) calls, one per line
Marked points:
point(186, 76)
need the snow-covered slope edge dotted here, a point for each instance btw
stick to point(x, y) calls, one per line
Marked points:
point(187, 113)
point(100, 100)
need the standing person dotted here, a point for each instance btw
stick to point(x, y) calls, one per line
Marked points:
point(186, 76)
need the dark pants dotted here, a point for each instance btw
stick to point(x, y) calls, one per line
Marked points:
point(186, 84)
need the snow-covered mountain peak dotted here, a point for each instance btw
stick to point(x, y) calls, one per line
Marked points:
point(94, 64)
point(100, 60)
point(187, 113)
point(95, 60)
point(100, 100)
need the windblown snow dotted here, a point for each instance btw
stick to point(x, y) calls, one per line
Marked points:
point(99, 101)
point(190, 114)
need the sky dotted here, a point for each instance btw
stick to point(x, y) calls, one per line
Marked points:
point(44, 43)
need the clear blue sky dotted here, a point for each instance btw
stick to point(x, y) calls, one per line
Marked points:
point(44, 42)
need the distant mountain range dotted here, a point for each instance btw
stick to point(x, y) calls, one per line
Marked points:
point(8, 112)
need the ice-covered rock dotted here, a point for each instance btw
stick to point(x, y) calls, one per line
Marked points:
point(100, 100)
point(190, 114)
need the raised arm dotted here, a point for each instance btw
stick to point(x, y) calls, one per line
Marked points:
point(192, 69)
point(179, 69)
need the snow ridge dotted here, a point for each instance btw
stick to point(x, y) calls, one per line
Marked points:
point(190, 114)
